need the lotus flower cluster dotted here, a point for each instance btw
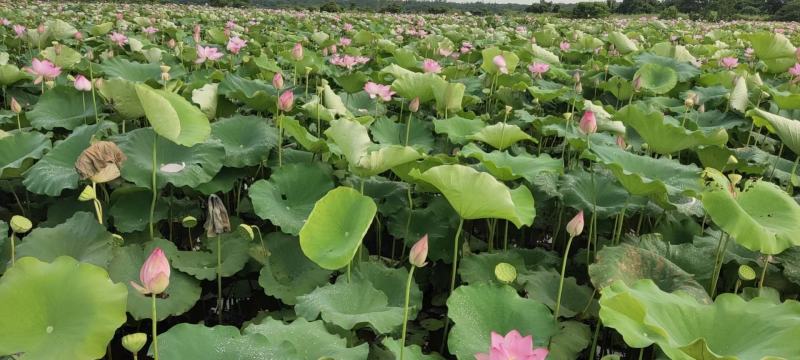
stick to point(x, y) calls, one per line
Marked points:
point(348, 61)
point(235, 44)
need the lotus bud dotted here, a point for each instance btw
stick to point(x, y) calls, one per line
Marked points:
point(189, 222)
point(82, 83)
point(579, 88)
point(134, 342)
point(15, 106)
point(735, 179)
point(78, 36)
point(505, 273)
point(88, 194)
point(154, 275)
point(100, 162)
point(165, 68)
point(576, 76)
point(171, 43)
point(508, 109)
point(277, 81)
point(90, 55)
point(117, 240)
point(57, 48)
point(217, 221)
point(413, 106)
point(41, 29)
point(645, 146)
point(689, 103)
point(20, 224)
point(621, 142)
point(247, 231)
point(419, 252)
point(297, 52)
point(746, 273)
point(702, 108)
point(637, 83)
point(286, 101)
point(588, 123)
point(732, 160)
point(575, 226)
point(98, 83)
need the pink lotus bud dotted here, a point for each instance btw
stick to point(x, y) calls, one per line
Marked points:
point(119, 16)
point(286, 101)
point(575, 226)
point(78, 36)
point(414, 105)
point(621, 142)
point(297, 52)
point(82, 83)
point(419, 252)
point(500, 62)
point(637, 83)
point(564, 46)
point(277, 81)
point(588, 122)
point(154, 274)
point(171, 43)
point(41, 29)
point(15, 106)
point(729, 62)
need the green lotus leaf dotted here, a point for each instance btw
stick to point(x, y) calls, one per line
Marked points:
point(311, 339)
point(293, 128)
point(202, 161)
point(18, 151)
point(336, 226)
point(411, 85)
point(256, 94)
point(62, 107)
point(501, 135)
point(387, 132)
point(542, 286)
point(621, 89)
point(664, 135)
point(365, 160)
point(195, 341)
point(55, 172)
point(63, 309)
point(118, 67)
point(512, 60)
point(773, 49)
point(65, 57)
point(351, 305)
point(787, 129)
point(570, 340)
point(437, 219)
point(630, 264)
point(457, 128)
point(173, 117)
point(545, 91)
point(122, 93)
point(314, 109)
point(544, 54)
point(390, 281)
point(506, 167)
point(476, 195)
point(656, 78)
point(203, 264)
point(183, 290)
point(247, 139)
point(206, 97)
point(623, 44)
point(761, 218)
point(478, 268)
point(101, 29)
point(10, 74)
point(411, 352)
point(449, 96)
point(352, 82)
point(789, 259)
point(5, 248)
point(739, 96)
point(130, 208)
point(478, 310)
point(286, 199)
point(596, 192)
point(290, 273)
point(80, 237)
point(684, 68)
point(691, 257)
point(660, 179)
point(730, 328)
point(224, 181)
point(58, 29)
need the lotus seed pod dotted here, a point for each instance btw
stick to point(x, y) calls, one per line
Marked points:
point(732, 160)
point(735, 179)
point(189, 222)
point(247, 230)
point(134, 342)
point(505, 273)
point(689, 102)
point(117, 240)
point(88, 194)
point(746, 273)
point(20, 224)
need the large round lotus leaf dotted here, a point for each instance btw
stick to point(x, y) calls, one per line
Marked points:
point(664, 135)
point(542, 286)
point(247, 139)
point(65, 57)
point(477, 195)
point(173, 117)
point(773, 49)
point(458, 128)
point(477, 268)
point(18, 151)
point(80, 237)
point(183, 291)
point(685, 70)
point(62, 107)
point(449, 96)
point(354, 143)
point(118, 67)
point(122, 93)
point(55, 172)
point(59, 310)
point(506, 167)
point(311, 339)
point(660, 179)
point(501, 135)
point(596, 192)
point(731, 328)
point(392, 282)
point(787, 129)
point(411, 85)
point(512, 60)
point(202, 161)
point(256, 94)
point(545, 91)
point(656, 78)
point(293, 128)
point(130, 208)
point(570, 340)
point(411, 352)
point(288, 273)
point(286, 199)
point(351, 305)
point(10, 74)
point(206, 98)
point(337, 224)
point(629, 264)
point(761, 218)
point(203, 264)
point(437, 219)
point(622, 43)
point(59, 29)
point(198, 342)
point(477, 310)
point(388, 132)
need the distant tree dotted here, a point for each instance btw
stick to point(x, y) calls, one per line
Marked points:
point(392, 8)
point(330, 6)
point(695, 7)
point(541, 7)
point(638, 7)
point(229, 3)
point(589, 10)
point(788, 12)
point(670, 12)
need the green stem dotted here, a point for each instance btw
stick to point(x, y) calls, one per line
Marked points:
point(561, 280)
point(155, 334)
point(719, 259)
point(452, 279)
point(408, 127)
point(790, 185)
point(405, 311)
point(219, 279)
point(594, 340)
point(155, 189)
point(13, 249)
point(98, 208)
point(764, 272)
point(505, 237)
point(94, 98)
point(280, 140)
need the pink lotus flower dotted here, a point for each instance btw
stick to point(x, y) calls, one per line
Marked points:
point(419, 252)
point(500, 62)
point(795, 70)
point(277, 81)
point(384, 92)
point(286, 101)
point(729, 62)
point(431, 66)
point(512, 347)
point(235, 44)
point(19, 30)
point(564, 46)
point(82, 83)
point(348, 27)
point(575, 226)
point(348, 61)
point(207, 53)
point(588, 122)
point(538, 69)
point(149, 30)
point(345, 41)
point(154, 275)
point(43, 70)
point(297, 52)
point(119, 39)
point(5, 22)
point(78, 36)
point(748, 53)
point(171, 43)
point(196, 33)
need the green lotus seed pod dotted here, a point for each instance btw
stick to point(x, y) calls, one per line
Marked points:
point(117, 240)
point(746, 273)
point(732, 160)
point(247, 230)
point(505, 272)
point(20, 224)
point(87, 194)
point(189, 222)
point(134, 342)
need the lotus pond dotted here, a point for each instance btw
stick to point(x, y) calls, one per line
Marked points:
point(181, 182)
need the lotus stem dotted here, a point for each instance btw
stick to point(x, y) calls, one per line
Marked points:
point(155, 333)
point(408, 126)
point(764, 272)
point(98, 208)
point(452, 277)
point(94, 98)
point(505, 237)
point(561, 280)
point(790, 185)
point(405, 311)
point(13, 248)
point(719, 259)
point(19, 123)
point(593, 349)
point(219, 279)
point(155, 189)
point(280, 139)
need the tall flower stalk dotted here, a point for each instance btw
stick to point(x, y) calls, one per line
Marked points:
point(574, 228)
point(154, 278)
point(417, 257)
